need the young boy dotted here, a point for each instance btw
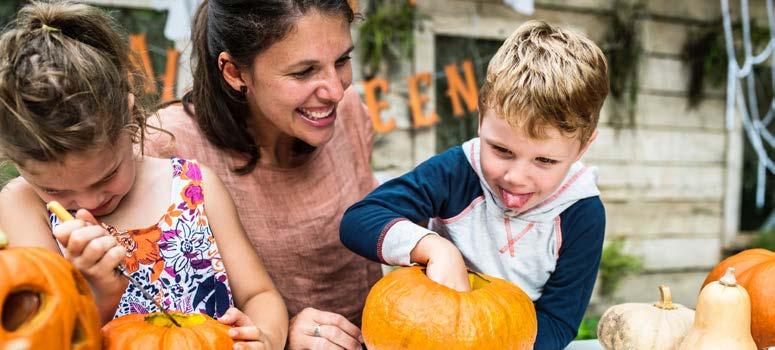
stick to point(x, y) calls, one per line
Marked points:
point(515, 202)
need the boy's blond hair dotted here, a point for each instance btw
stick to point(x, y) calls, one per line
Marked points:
point(544, 76)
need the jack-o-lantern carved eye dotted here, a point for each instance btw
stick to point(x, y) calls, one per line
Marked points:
point(79, 335)
point(19, 308)
point(45, 303)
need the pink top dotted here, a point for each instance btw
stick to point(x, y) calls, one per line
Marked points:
point(292, 215)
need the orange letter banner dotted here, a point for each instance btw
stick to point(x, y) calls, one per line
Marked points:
point(417, 100)
point(170, 75)
point(139, 46)
point(456, 88)
point(375, 105)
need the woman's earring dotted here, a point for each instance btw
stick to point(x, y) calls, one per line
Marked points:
point(243, 89)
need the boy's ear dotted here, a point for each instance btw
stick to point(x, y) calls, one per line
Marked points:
point(230, 72)
point(585, 148)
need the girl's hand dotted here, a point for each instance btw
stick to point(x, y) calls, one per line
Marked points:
point(94, 252)
point(244, 333)
point(315, 329)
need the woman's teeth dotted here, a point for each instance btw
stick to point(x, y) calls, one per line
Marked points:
point(316, 115)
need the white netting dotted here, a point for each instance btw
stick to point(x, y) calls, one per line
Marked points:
point(740, 76)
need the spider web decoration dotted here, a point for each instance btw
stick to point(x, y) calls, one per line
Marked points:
point(740, 77)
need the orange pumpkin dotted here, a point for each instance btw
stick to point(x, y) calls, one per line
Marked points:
point(406, 310)
point(756, 273)
point(155, 331)
point(45, 302)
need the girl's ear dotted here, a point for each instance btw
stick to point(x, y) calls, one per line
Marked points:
point(130, 98)
point(230, 72)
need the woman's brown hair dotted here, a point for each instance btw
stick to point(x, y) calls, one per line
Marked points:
point(243, 29)
point(65, 80)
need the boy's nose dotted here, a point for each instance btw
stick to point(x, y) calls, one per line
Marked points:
point(517, 174)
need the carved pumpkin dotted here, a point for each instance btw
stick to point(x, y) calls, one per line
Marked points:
point(155, 331)
point(723, 317)
point(407, 310)
point(45, 302)
point(658, 326)
point(755, 271)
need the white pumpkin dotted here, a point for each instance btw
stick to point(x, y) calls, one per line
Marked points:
point(641, 326)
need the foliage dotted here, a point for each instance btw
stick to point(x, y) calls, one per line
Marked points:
point(387, 32)
point(705, 52)
point(623, 50)
point(588, 328)
point(615, 265)
point(765, 240)
point(8, 9)
point(7, 172)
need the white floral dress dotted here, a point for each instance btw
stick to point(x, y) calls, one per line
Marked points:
point(177, 260)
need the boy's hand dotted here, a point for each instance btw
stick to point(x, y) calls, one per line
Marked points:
point(444, 262)
point(244, 333)
point(93, 252)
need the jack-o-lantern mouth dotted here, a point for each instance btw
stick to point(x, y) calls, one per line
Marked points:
point(20, 308)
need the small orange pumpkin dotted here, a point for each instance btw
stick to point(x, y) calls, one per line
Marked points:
point(755, 271)
point(407, 310)
point(156, 331)
point(45, 302)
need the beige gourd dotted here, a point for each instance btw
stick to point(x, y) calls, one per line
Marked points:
point(641, 326)
point(723, 318)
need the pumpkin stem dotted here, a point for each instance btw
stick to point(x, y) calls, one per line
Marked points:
point(3, 240)
point(729, 278)
point(665, 299)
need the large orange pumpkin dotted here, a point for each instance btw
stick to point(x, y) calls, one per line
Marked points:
point(756, 273)
point(156, 331)
point(406, 310)
point(45, 302)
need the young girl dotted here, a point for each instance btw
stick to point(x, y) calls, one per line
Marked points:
point(69, 121)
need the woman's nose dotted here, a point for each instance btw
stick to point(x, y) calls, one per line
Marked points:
point(332, 88)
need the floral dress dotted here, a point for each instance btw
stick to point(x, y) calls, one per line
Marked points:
point(177, 260)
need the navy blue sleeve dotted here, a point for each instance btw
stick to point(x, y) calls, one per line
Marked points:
point(567, 292)
point(442, 186)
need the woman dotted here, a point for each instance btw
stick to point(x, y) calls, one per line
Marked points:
point(271, 113)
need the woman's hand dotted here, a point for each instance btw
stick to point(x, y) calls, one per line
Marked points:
point(244, 333)
point(444, 262)
point(315, 329)
point(94, 252)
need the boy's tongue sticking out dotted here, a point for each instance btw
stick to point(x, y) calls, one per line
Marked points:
point(514, 200)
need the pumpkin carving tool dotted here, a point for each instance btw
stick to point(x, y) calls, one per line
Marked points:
point(64, 215)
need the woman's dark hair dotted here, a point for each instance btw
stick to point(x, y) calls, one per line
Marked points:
point(243, 29)
point(63, 82)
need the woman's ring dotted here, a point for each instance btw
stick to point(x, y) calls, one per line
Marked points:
point(316, 332)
